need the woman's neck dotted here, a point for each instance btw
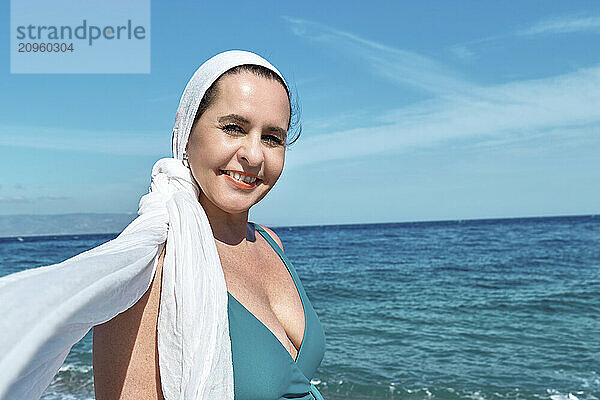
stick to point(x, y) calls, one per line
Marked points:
point(229, 229)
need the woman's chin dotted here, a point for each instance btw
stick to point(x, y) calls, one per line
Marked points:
point(235, 205)
point(236, 210)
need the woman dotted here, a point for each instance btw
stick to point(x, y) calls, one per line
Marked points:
point(213, 310)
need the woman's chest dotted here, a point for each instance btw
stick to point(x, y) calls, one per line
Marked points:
point(262, 284)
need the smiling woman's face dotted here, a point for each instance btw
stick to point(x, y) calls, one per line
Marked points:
point(243, 130)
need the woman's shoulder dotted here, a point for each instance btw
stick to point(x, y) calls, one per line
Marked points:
point(273, 235)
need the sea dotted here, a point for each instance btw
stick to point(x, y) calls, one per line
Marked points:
point(473, 309)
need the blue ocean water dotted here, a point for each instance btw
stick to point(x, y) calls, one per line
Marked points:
point(486, 309)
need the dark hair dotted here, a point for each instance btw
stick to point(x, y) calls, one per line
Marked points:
point(212, 92)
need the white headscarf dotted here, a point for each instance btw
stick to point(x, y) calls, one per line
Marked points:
point(44, 311)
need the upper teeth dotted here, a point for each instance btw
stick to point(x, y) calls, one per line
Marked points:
point(240, 177)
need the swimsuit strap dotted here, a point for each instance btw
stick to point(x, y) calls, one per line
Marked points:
point(269, 238)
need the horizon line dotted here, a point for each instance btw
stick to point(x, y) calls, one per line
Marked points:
point(426, 221)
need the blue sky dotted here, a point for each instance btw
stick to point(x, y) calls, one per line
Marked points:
point(410, 111)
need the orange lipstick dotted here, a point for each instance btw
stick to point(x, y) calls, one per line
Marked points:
point(241, 184)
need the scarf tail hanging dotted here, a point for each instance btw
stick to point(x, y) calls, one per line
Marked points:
point(46, 310)
point(193, 328)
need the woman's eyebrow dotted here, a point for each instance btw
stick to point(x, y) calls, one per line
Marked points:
point(233, 117)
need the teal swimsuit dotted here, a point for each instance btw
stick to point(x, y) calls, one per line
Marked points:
point(263, 369)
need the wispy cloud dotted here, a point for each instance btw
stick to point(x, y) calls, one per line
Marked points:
point(462, 52)
point(13, 199)
point(549, 26)
point(505, 113)
point(398, 65)
point(23, 199)
point(569, 24)
point(520, 111)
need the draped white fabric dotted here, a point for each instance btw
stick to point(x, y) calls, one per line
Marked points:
point(46, 310)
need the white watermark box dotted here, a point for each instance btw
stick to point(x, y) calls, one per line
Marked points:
point(83, 36)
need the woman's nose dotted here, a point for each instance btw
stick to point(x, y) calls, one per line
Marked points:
point(251, 149)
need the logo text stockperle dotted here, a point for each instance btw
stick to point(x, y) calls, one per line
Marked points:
point(84, 31)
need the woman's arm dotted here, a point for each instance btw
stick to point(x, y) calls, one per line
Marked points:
point(125, 353)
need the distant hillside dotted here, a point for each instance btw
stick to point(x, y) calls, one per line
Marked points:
point(60, 224)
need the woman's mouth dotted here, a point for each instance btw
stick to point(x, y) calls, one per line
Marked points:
point(240, 180)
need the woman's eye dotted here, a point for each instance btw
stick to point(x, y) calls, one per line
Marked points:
point(236, 129)
point(233, 128)
point(272, 139)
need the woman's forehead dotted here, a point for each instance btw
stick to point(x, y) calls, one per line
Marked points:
point(246, 81)
point(248, 90)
